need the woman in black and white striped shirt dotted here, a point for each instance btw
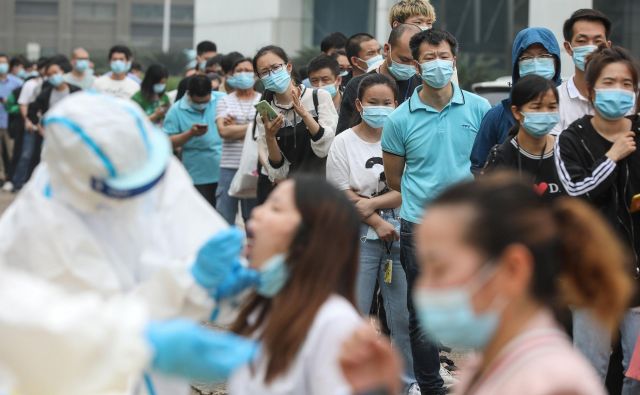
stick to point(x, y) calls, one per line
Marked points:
point(234, 113)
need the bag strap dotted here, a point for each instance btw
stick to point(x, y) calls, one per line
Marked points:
point(315, 102)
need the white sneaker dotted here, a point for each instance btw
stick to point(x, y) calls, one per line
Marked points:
point(7, 186)
point(414, 389)
point(447, 377)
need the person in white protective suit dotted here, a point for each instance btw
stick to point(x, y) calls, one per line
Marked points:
point(57, 343)
point(110, 210)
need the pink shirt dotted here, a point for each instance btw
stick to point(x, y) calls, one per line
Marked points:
point(540, 361)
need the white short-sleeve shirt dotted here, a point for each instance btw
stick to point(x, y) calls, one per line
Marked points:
point(315, 370)
point(356, 164)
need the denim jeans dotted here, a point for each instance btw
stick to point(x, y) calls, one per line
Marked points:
point(21, 172)
point(426, 356)
point(594, 342)
point(373, 258)
point(227, 205)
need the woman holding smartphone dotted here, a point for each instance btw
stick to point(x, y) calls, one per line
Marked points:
point(299, 138)
point(152, 97)
point(597, 159)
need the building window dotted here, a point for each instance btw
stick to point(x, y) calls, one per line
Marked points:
point(36, 8)
point(146, 31)
point(147, 12)
point(182, 32)
point(182, 13)
point(155, 12)
point(82, 10)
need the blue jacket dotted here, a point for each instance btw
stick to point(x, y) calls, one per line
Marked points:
point(499, 120)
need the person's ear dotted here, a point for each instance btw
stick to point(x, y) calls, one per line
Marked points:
point(386, 49)
point(567, 47)
point(516, 114)
point(394, 24)
point(418, 67)
point(609, 44)
point(289, 67)
point(338, 81)
point(395, 104)
point(455, 62)
point(355, 62)
point(358, 106)
point(517, 271)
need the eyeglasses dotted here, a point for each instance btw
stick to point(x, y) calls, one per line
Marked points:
point(274, 69)
point(542, 56)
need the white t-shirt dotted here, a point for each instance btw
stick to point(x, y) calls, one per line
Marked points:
point(243, 111)
point(86, 82)
point(315, 370)
point(356, 164)
point(30, 91)
point(123, 89)
point(572, 106)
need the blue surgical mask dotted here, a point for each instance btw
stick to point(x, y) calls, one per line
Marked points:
point(119, 66)
point(274, 274)
point(344, 73)
point(375, 116)
point(199, 106)
point(437, 73)
point(545, 68)
point(277, 82)
point(374, 62)
point(448, 316)
point(22, 74)
point(4, 68)
point(202, 65)
point(401, 72)
point(539, 124)
point(159, 88)
point(241, 80)
point(33, 73)
point(580, 55)
point(614, 104)
point(331, 88)
point(81, 65)
point(56, 80)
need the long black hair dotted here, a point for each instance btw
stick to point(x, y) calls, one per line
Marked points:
point(154, 74)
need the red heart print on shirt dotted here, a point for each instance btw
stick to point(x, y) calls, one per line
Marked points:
point(541, 188)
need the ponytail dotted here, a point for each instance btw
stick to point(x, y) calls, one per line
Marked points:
point(594, 273)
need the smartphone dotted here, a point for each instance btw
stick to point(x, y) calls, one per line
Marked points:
point(264, 108)
point(635, 204)
point(202, 126)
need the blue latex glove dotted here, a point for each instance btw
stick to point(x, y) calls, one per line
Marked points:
point(183, 348)
point(217, 257)
point(239, 279)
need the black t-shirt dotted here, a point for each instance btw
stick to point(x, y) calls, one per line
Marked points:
point(541, 170)
point(349, 117)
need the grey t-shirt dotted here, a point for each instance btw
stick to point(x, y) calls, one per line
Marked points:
point(57, 95)
point(85, 82)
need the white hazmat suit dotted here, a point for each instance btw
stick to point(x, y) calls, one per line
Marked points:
point(110, 210)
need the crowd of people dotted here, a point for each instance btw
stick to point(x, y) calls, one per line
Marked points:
point(368, 184)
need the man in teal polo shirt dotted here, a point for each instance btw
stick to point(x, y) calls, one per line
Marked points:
point(191, 124)
point(426, 145)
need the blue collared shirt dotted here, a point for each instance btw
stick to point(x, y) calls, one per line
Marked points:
point(201, 154)
point(436, 145)
point(6, 87)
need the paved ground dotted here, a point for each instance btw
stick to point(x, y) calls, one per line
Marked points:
point(5, 200)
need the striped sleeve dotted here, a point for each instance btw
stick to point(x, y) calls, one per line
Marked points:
point(577, 177)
